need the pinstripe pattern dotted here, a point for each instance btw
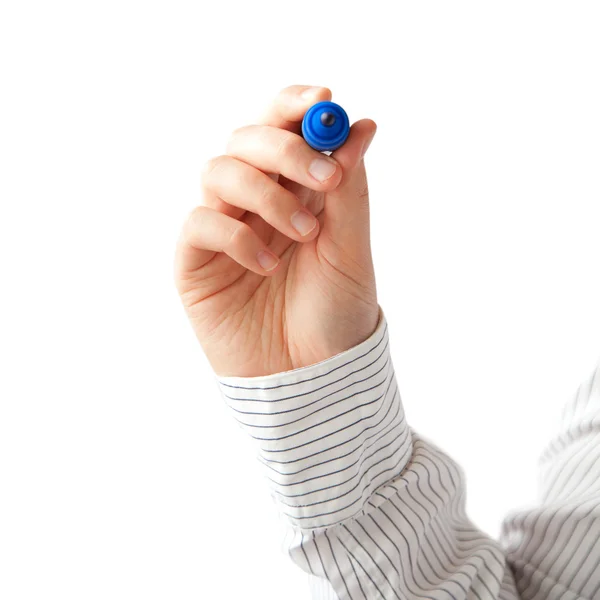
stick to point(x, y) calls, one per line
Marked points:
point(373, 510)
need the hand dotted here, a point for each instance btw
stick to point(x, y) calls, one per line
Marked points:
point(251, 315)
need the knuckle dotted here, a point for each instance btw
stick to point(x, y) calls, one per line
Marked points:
point(362, 191)
point(239, 237)
point(267, 194)
point(236, 135)
point(289, 90)
point(189, 227)
point(211, 167)
point(287, 146)
point(194, 219)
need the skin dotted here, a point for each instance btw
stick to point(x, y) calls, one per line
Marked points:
point(321, 297)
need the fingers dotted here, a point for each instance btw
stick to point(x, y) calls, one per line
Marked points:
point(242, 180)
point(346, 212)
point(207, 231)
point(241, 185)
point(288, 108)
point(274, 150)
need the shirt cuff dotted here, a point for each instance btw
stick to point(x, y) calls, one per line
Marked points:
point(329, 434)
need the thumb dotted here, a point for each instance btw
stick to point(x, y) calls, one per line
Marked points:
point(346, 210)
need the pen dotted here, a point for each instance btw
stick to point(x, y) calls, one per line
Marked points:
point(325, 126)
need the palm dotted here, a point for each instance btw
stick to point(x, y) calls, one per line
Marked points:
point(308, 311)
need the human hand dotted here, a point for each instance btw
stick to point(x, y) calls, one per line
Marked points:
point(253, 318)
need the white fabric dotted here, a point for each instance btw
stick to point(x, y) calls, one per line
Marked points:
point(374, 510)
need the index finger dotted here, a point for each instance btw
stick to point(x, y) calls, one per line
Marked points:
point(288, 108)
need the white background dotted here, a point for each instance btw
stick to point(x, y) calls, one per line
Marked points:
point(122, 476)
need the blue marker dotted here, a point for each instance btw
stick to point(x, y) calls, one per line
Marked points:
point(325, 126)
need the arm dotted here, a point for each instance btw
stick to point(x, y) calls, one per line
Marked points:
point(277, 279)
point(372, 509)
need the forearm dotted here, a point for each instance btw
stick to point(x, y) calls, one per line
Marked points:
point(371, 507)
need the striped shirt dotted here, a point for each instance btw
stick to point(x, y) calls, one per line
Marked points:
point(372, 510)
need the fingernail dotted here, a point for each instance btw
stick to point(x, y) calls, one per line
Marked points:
point(322, 169)
point(303, 222)
point(267, 260)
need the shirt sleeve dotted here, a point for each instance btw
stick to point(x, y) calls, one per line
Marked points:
point(371, 508)
point(554, 548)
